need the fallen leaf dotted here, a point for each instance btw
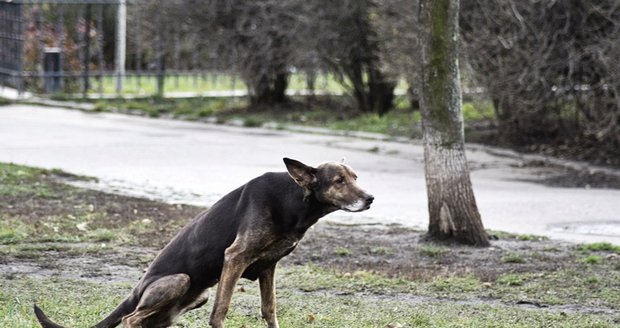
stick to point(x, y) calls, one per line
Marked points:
point(82, 226)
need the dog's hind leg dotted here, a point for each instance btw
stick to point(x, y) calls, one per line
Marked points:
point(201, 300)
point(160, 296)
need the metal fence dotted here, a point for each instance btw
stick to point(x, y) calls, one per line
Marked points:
point(90, 47)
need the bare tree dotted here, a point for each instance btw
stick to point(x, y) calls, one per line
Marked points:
point(453, 213)
point(551, 69)
point(260, 38)
point(349, 46)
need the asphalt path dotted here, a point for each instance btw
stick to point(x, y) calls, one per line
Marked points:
point(197, 163)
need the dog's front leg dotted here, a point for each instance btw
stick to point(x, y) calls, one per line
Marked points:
point(267, 285)
point(235, 262)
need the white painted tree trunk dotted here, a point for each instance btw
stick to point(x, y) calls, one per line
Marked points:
point(453, 214)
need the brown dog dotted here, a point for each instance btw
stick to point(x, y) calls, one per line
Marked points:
point(242, 235)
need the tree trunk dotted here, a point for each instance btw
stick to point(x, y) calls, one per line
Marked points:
point(380, 91)
point(453, 214)
point(269, 90)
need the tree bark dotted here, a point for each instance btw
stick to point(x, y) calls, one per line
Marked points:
point(453, 214)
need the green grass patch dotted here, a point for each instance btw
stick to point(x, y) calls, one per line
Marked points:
point(477, 111)
point(13, 232)
point(205, 83)
point(332, 112)
point(4, 101)
point(60, 229)
point(18, 180)
point(80, 303)
point(587, 285)
point(513, 258)
point(600, 247)
point(465, 284)
point(510, 279)
point(509, 235)
point(381, 251)
point(342, 251)
point(592, 259)
point(186, 108)
point(398, 122)
point(432, 250)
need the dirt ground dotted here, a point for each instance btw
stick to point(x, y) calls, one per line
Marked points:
point(393, 251)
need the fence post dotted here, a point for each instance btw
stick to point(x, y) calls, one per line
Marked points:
point(100, 62)
point(61, 45)
point(160, 58)
point(86, 63)
point(121, 31)
point(138, 19)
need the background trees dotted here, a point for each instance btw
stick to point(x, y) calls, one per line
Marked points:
point(549, 69)
point(350, 47)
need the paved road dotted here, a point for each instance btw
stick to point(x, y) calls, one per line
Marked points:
point(198, 163)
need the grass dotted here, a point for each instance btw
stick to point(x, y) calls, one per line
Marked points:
point(457, 285)
point(17, 180)
point(185, 108)
point(69, 214)
point(477, 111)
point(513, 258)
point(432, 250)
point(4, 101)
point(510, 279)
point(509, 235)
point(59, 229)
point(79, 303)
point(342, 251)
point(381, 251)
point(592, 259)
point(399, 122)
point(147, 85)
point(333, 112)
point(600, 247)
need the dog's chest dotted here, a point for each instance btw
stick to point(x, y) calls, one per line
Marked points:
point(280, 248)
point(270, 255)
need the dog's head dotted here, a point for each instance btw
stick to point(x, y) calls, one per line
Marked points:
point(331, 183)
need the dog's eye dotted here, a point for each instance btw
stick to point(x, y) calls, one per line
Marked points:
point(340, 180)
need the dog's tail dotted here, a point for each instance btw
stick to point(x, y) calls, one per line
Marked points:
point(112, 320)
point(44, 320)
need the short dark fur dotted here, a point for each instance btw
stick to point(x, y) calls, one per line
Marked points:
point(243, 235)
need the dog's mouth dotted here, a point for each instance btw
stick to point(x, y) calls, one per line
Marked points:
point(346, 209)
point(359, 205)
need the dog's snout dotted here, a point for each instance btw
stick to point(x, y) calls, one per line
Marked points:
point(370, 199)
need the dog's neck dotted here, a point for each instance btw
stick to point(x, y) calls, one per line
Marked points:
point(305, 210)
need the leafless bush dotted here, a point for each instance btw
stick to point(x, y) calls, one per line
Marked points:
point(550, 67)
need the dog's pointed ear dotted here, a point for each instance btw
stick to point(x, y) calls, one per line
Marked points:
point(304, 175)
